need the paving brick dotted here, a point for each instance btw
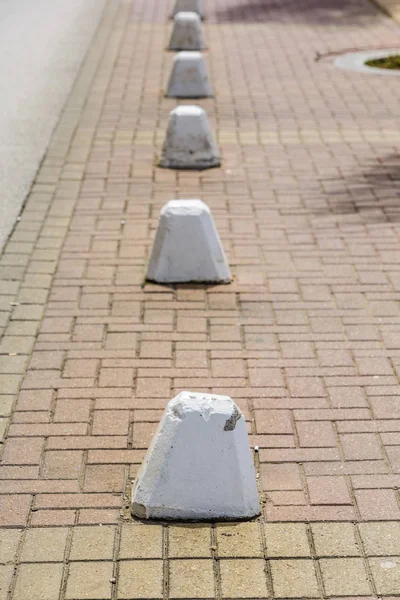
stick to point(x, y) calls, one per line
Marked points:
point(377, 505)
point(315, 435)
point(334, 539)
point(381, 539)
point(9, 540)
point(344, 577)
point(191, 577)
point(148, 388)
point(141, 541)
point(328, 490)
point(70, 411)
point(294, 579)
point(281, 477)
point(140, 579)
point(155, 349)
point(93, 516)
point(6, 573)
point(52, 518)
point(143, 434)
point(89, 580)
point(119, 341)
point(62, 464)
point(104, 478)
point(80, 368)
point(266, 378)
point(34, 400)
point(189, 540)
point(393, 454)
point(14, 510)
point(306, 386)
point(92, 543)
point(14, 343)
point(239, 540)
point(244, 578)
point(42, 581)
point(386, 574)
point(361, 446)
point(44, 545)
point(347, 397)
point(273, 421)
point(227, 368)
point(110, 422)
point(286, 540)
point(191, 358)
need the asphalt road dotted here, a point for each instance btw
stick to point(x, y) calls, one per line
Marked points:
point(42, 45)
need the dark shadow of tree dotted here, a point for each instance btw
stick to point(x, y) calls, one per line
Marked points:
point(373, 192)
point(310, 12)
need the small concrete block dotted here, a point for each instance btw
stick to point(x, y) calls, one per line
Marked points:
point(187, 33)
point(199, 465)
point(187, 246)
point(189, 142)
point(189, 77)
point(188, 6)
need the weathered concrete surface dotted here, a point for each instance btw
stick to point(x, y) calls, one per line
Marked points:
point(189, 142)
point(42, 45)
point(199, 464)
point(187, 246)
point(189, 77)
point(187, 33)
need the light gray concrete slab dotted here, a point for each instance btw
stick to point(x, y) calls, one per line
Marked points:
point(42, 45)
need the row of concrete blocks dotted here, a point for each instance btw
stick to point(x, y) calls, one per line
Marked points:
point(199, 464)
point(189, 142)
point(187, 247)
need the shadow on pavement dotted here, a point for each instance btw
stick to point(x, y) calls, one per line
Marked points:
point(373, 192)
point(310, 12)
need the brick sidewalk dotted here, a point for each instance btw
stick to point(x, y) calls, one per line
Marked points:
point(306, 340)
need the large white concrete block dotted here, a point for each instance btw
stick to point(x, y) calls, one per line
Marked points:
point(187, 33)
point(189, 6)
point(189, 77)
point(189, 142)
point(199, 464)
point(187, 246)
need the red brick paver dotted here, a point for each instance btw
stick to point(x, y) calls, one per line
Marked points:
point(306, 339)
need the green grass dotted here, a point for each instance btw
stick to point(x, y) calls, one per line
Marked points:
point(388, 62)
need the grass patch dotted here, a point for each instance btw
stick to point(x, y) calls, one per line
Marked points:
point(388, 62)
